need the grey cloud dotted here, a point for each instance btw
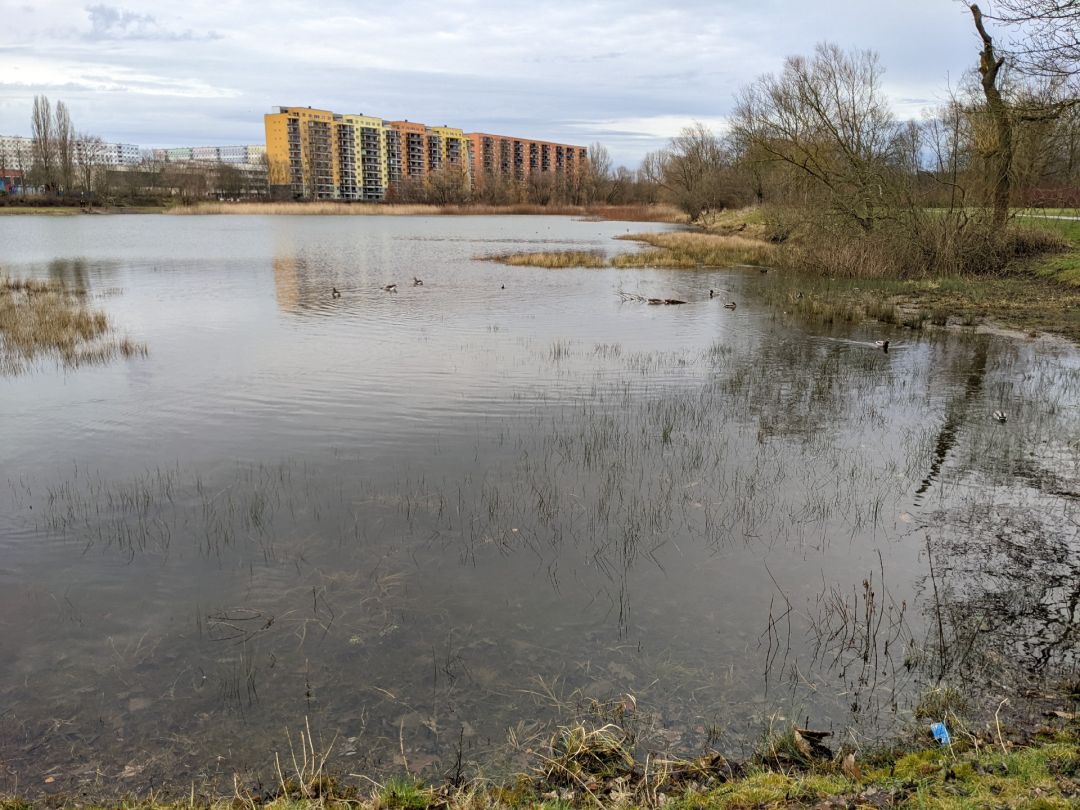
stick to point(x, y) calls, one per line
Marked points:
point(113, 23)
point(480, 65)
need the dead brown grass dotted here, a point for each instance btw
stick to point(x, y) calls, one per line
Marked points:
point(695, 249)
point(47, 318)
point(553, 259)
point(933, 245)
point(676, 249)
point(628, 213)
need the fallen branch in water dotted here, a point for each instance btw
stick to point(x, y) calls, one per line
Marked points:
point(625, 296)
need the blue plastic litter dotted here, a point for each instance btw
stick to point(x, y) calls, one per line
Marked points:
point(941, 734)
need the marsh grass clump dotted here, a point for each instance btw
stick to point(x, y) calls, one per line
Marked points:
point(404, 793)
point(48, 318)
point(793, 748)
point(589, 765)
point(694, 249)
point(673, 249)
point(585, 756)
point(941, 703)
point(553, 259)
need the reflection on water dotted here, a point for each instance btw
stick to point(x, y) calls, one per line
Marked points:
point(421, 520)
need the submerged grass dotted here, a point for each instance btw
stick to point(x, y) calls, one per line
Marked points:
point(1028, 301)
point(48, 318)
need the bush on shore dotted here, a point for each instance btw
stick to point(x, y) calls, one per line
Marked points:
point(927, 245)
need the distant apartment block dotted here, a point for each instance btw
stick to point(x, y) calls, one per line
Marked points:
point(17, 152)
point(521, 158)
point(330, 156)
point(249, 155)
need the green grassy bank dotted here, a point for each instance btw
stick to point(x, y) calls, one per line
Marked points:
point(1031, 295)
point(590, 768)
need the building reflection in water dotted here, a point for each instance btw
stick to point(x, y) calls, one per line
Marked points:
point(287, 284)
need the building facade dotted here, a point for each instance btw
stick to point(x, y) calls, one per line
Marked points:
point(503, 156)
point(248, 156)
point(319, 154)
point(17, 152)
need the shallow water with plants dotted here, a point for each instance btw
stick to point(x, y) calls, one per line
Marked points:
point(432, 524)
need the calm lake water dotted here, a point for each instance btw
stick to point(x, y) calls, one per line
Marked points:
point(498, 502)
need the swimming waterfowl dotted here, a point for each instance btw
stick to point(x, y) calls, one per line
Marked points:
point(729, 305)
point(335, 293)
point(1001, 416)
point(417, 282)
point(882, 344)
point(712, 294)
point(391, 288)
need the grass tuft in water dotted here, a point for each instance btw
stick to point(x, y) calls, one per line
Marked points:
point(676, 249)
point(50, 319)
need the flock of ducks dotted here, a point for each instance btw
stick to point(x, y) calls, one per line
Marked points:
point(999, 416)
point(386, 287)
point(416, 282)
point(728, 305)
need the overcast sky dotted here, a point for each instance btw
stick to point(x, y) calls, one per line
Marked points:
point(627, 74)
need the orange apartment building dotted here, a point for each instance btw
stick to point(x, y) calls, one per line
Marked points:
point(521, 158)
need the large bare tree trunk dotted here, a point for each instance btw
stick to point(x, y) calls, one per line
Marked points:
point(43, 144)
point(999, 154)
point(64, 140)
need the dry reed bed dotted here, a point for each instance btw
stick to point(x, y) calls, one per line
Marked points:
point(47, 318)
point(679, 249)
point(630, 213)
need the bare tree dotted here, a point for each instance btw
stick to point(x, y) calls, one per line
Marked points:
point(89, 163)
point(826, 121)
point(44, 148)
point(947, 139)
point(1048, 42)
point(64, 137)
point(694, 170)
point(597, 174)
point(998, 149)
point(228, 181)
point(448, 184)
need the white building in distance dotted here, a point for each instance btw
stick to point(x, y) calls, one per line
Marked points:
point(250, 155)
point(17, 152)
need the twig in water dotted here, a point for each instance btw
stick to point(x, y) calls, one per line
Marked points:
point(997, 723)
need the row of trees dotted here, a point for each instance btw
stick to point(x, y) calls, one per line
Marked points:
point(55, 158)
point(820, 136)
point(595, 182)
point(63, 164)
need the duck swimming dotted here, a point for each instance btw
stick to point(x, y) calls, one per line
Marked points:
point(417, 282)
point(729, 305)
point(335, 293)
point(1001, 416)
point(391, 288)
